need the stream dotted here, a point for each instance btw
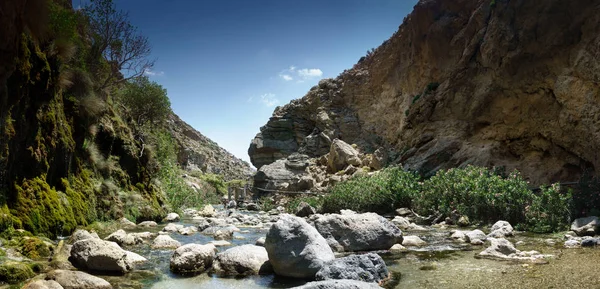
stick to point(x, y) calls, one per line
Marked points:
point(442, 263)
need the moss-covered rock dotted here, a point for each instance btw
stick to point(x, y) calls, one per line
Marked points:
point(14, 272)
point(34, 248)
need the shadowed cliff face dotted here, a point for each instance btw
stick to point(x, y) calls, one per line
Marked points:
point(491, 83)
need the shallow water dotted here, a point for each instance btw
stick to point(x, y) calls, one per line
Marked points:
point(441, 264)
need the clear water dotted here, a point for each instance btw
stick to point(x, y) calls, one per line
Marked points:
point(441, 264)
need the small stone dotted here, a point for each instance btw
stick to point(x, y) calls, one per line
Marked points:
point(397, 248)
point(463, 221)
point(172, 217)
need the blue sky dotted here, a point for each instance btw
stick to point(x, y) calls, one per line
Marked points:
point(226, 64)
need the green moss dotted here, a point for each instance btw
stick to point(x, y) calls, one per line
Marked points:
point(40, 210)
point(34, 248)
point(7, 220)
point(15, 272)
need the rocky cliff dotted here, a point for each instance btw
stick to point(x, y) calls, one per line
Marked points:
point(513, 84)
point(196, 152)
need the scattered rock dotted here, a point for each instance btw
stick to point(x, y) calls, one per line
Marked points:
point(401, 222)
point(77, 280)
point(368, 267)
point(413, 241)
point(458, 236)
point(125, 223)
point(295, 248)
point(504, 250)
point(144, 235)
point(172, 227)
point(148, 224)
point(260, 241)
point(172, 217)
point(79, 235)
point(358, 232)
point(591, 242)
point(305, 210)
point(501, 229)
point(463, 221)
point(397, 248)
point(223, 234)
point(188, 230)
point(220, 243)
point(99, 255)
point(242, 260)
point(43, 284)
point(572, 243)
point(252, 207)
point(122, 238)
point(338, 284)
point(403, 212)
point(165, 242)
point(133, 258)
point(341, 155)
point(207, 211)
point(587, 226)
point(193, 258)
point(475, 237)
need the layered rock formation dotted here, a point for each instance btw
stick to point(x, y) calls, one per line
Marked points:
point(512, 84)
point(196, 152)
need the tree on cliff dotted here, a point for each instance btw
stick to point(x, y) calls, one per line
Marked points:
point(113, 38)
point(146, 100)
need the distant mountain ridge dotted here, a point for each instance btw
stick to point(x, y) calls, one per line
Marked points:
point(197, 152)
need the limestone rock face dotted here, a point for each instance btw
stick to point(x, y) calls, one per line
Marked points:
point(512, 84)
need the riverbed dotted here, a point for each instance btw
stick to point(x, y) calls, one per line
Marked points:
point(442, 263)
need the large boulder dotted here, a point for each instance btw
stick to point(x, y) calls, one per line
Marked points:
point(125, 223)
point(587, 226)
point(242, 260)
point(338, 284)
point(193, 258)
point(358, 232)
point(475, 237)
point(368, 267)
point(295, 248)
point(165, 242)
point(341, 155)
point(77, 280)
point(99, 255)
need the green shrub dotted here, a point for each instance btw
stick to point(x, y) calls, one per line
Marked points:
point(266, 203)
point(415, 98)
point(382, 192)
point(34, 248)
point(476, 193)
point(315, 201)
point(550, 210)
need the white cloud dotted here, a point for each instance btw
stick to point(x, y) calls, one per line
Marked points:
point(286, 77)
point(149, 72)
point(269, 99)
point(310, 73)
point(300, 75)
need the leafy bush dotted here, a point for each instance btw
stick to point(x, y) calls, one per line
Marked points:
point(477, 193)
point(266, 203)
point(550, 210)
point(314, 201)
point(381, 192)
point(146, 100)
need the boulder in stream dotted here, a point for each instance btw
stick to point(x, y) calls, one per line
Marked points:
point(77, 280)
point(165, 242)
point(367, 267)
point(295, 248)
point(99, 255)
point(338, 284)
point(193, 258)
point(242, 261)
